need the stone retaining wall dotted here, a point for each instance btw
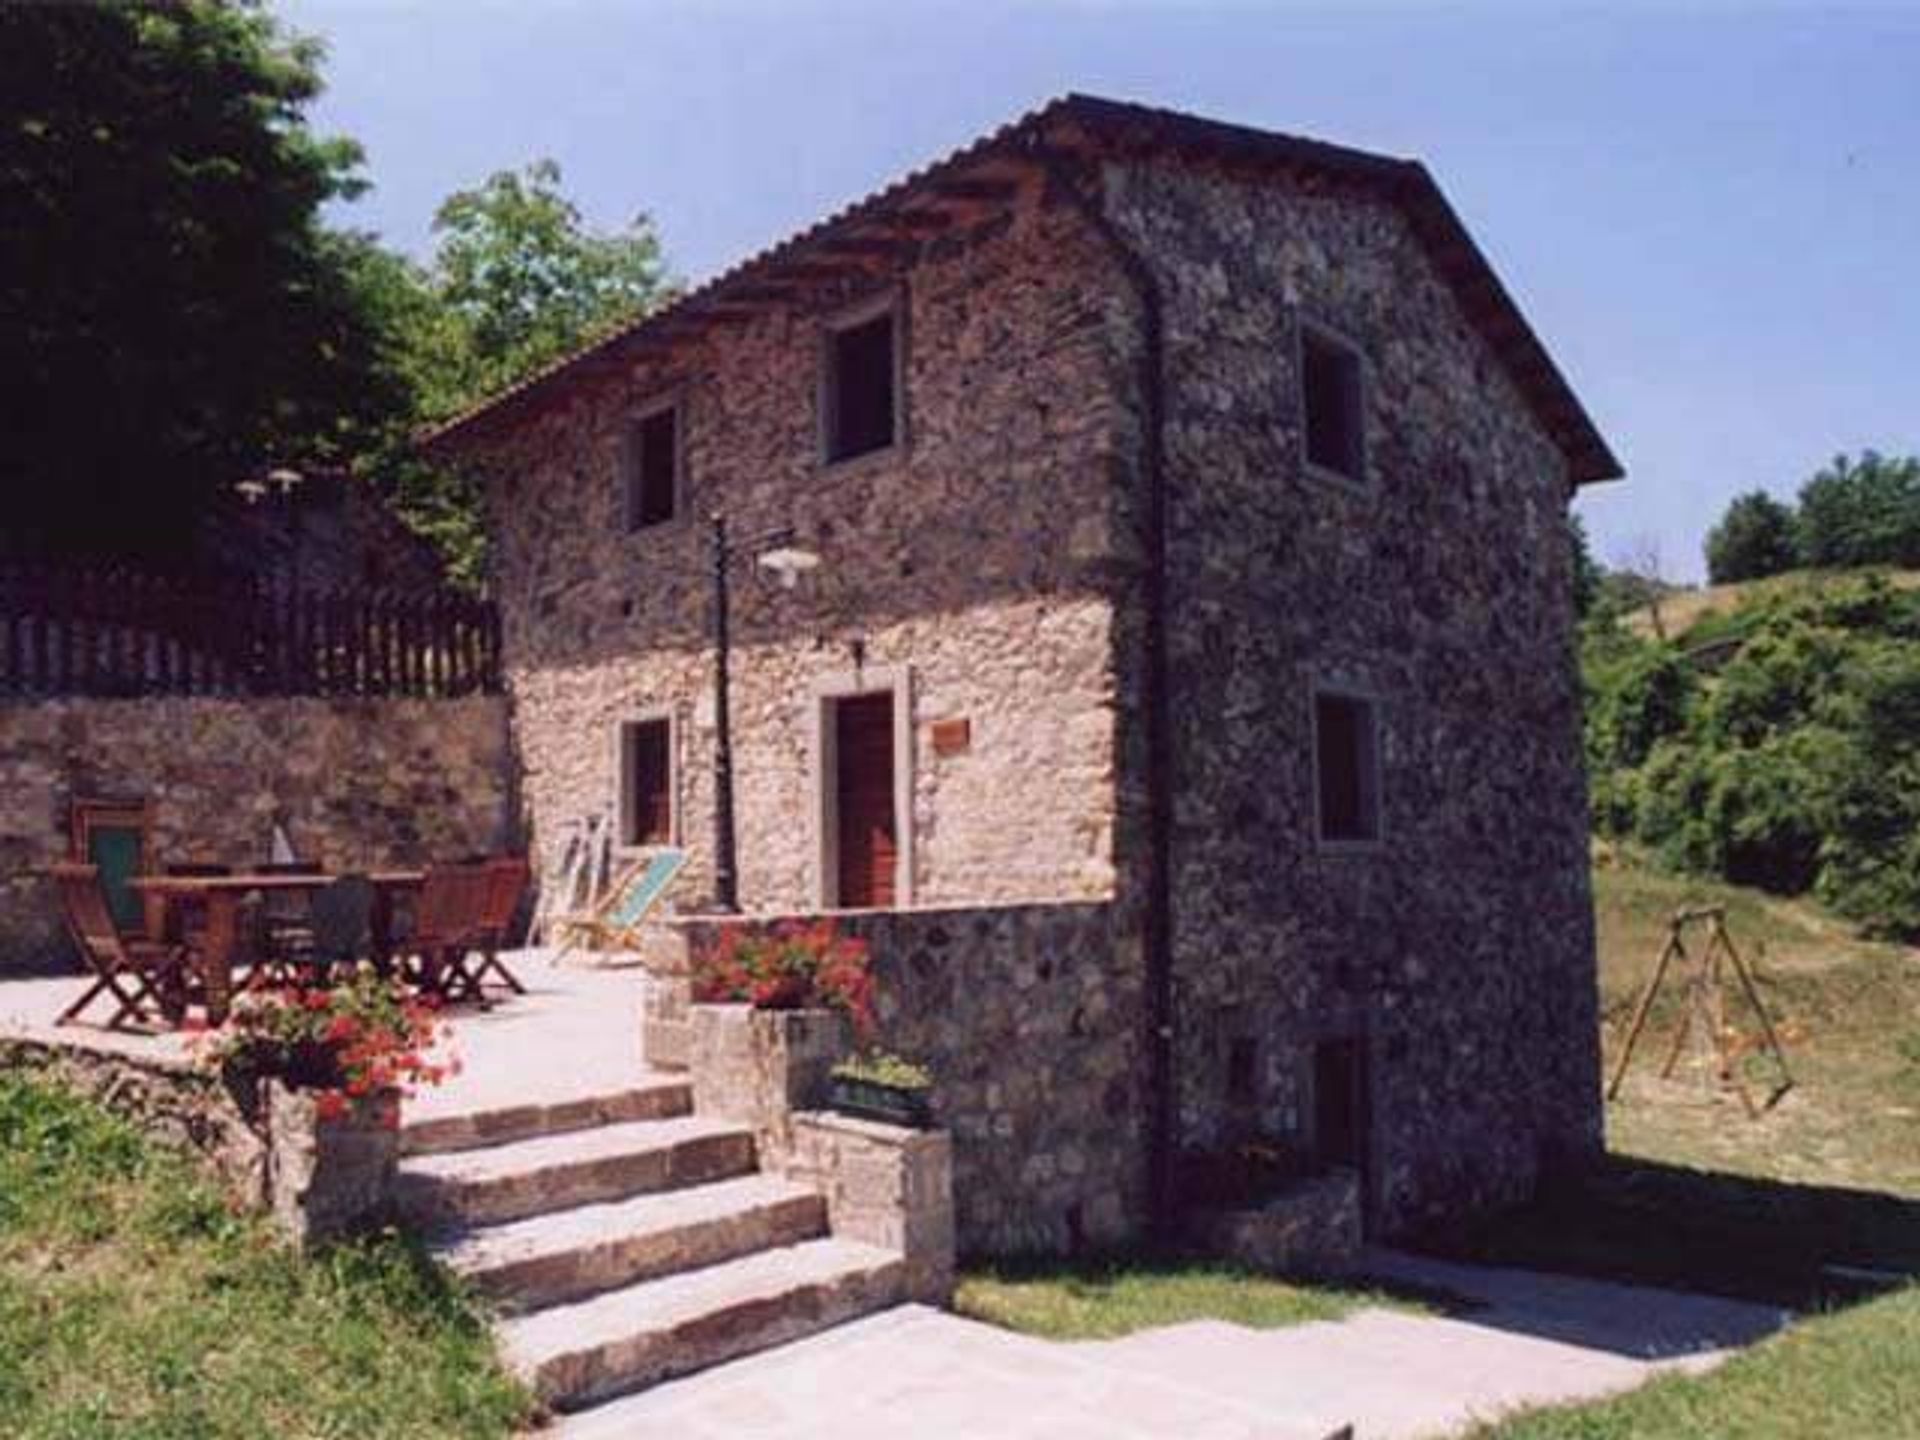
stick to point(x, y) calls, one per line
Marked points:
point(357, 783)
point(317, 1179)
point(179, 1105)
point(885, 1186)
point(1029, 1017)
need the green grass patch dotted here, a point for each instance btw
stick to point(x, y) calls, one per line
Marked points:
point(1697, 1196)
point(1102, 1299)
point(1847, 1009)
point(1851, 1373)
point(135, 1303)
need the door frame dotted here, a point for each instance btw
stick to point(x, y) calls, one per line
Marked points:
point(823, 775)
point(1359, 1031)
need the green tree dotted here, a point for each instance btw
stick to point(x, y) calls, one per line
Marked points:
point(517, 280)
point(172, 314)
point(523, 281)
point(1754, 539)
point(1864, 512)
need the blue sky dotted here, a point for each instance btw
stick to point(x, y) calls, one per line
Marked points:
point(1709, 211)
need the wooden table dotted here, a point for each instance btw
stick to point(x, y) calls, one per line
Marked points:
point(221, 895)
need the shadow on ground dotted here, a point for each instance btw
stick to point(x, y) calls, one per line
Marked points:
point(1634, 1221)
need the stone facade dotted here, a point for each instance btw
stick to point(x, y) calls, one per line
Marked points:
point(357, 783)
point(1458, 951)
point(968, 567)
point(1029, 1017)
point(999, 566)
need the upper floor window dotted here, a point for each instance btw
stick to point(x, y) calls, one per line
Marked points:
point(1332, 401)
point(860, 390)
point(653, 467)
point(1346, 766)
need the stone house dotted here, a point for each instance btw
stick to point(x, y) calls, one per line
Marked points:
point(1184, 700)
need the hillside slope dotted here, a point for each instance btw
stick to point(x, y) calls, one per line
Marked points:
point(1848, 1010)
point(1680, 610)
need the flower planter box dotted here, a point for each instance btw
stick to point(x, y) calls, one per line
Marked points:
point(329, 1175)
point(910, 1106)
point(760, 1066)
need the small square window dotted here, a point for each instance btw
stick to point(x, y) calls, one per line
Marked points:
point(861, 399)
point(1346, 754)
point(646, 783)
point(1331, 398)
point(653, 468)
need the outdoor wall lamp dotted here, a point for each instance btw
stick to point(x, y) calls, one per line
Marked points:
point(775, 552)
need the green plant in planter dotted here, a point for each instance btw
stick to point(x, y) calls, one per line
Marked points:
point(883, 1067)
point(879, 1085)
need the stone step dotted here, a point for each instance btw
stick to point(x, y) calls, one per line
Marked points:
point(436, 1134)
point(626, 1339)
point(548, 1259)
point(558, 1172)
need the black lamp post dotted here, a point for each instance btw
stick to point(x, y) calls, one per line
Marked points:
point(772, 550)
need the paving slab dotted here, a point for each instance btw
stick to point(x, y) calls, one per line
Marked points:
point(576, 1033)
point(1518, 1339)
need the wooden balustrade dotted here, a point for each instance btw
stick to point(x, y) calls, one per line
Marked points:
point(114, 632)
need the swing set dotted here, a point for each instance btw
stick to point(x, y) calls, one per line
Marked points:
point(1704, 970)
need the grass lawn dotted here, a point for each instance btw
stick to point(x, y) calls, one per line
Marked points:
point(133, 1303)
point(1104, 1299)
point(1847, 1009)
point(1697, 1195)
point(1850, 1373)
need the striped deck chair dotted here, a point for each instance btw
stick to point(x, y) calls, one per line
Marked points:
point(614, 924)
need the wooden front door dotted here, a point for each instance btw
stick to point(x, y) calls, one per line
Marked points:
point(866, 841)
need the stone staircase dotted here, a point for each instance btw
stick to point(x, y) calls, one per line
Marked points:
point(626, 1240)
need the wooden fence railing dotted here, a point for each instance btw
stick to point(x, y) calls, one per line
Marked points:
point(124, 633)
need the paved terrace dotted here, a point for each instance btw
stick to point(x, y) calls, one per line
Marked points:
point(576, 1033)
point(1515, 1339)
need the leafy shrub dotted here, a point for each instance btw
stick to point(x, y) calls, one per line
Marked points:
point(1795, 765)
point(1754, 539)
point(345, 1043)
point(789, 966)
point(1864, 512)
point(1636, 698)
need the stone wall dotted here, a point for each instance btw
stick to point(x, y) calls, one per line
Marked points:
point(357, 783)
point(885, 1186)
point(177, 1103)
point(1459, 950)
point(972, 565)
point(1029, 1018)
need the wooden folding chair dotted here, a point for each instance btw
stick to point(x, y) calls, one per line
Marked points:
point(115, 836)
point(136, 973)
point(447, 927)
point(506, 882)
point(614, 924)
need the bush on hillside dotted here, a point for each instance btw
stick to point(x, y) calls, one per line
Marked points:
point(1864, 512)
point(1795, 766)
point(1753, 540)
